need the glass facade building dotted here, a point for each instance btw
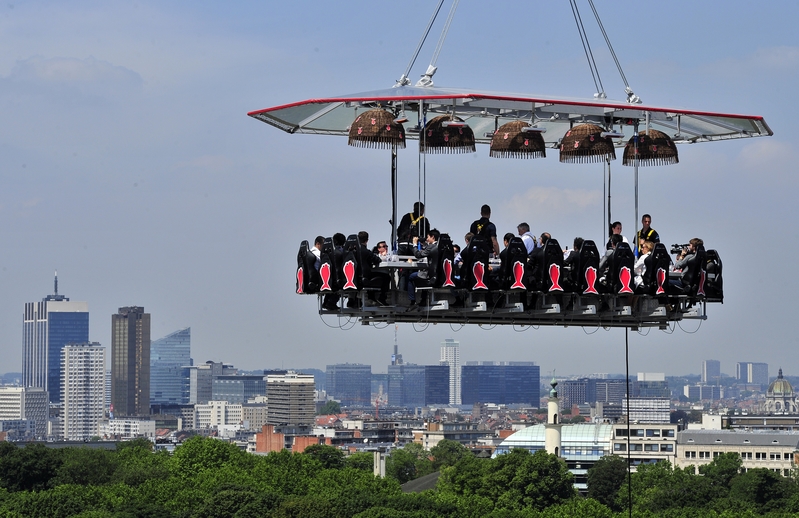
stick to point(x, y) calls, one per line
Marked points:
point(349, 383)
point(47, 327)
point(500, 383)
point(130, 362)
point(170, 358)
point(237, 389)
point(412, 385)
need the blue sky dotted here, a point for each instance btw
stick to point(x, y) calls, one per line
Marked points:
point(128, 163)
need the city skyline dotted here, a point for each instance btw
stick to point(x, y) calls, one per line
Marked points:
point(128, 127)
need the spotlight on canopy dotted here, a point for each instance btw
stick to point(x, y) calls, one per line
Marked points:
point(517, 139)
point(584, 143)
point(654, 148)
point(376, 129)
point(447, 134)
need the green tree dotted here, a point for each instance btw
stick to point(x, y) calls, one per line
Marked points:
point(200, 454)
point(28, 469)
point(331, 407)
point(447, 453)
point(408, 463)
point(85, 466)
point(762, 487)
point(605, 479)
point(329, 456)
point(362, 460)
point(722, 470)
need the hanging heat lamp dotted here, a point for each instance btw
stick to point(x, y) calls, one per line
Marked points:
point(376, 128)
point(518, 139)
point(654, 148)
point(447, 134)
point(585, 144)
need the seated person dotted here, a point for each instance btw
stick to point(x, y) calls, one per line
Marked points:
point(371, 277)
point(381, 249)
point(646, 248)
point(684, 258)
point(570, 256)
point(604, 262)
point(427, 276)
point(494, 272)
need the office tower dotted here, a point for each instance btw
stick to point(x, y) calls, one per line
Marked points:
point(577, 392)
point(396, 358)
point(47, 327)
point(651, 385)
point(501, 383)
point(349, 383)
point(752, 373)
point(711, 371)
point(82, 390)
point(201, 380)
point(130, 362)
point(411, 385)
point(451, 357)
point(237, 389)
point(290, 400)
point(611, 390)
point(26, 403)
point(170, 358)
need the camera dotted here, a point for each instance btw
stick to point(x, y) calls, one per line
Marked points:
point(676, 249)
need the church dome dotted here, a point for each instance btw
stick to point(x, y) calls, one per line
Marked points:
point(780, 387)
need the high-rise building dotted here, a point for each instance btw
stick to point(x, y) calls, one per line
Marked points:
point(349, 383)
point(237, 389)
point(201, 380)
point(411, 385)
point(752, 372)
point(577, 392)
point(82, 390)
point(501, 383)
point(130, 362)
point(25, 403)
point(451, 357)
point(651, 385)
point(711, 372)
point(170, 358)
point(47, 327)
point(290, 400)
point(611, 390)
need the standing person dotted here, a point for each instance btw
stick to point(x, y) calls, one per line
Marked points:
point(412, 224)
point(483, 227)
point(427, 276)
point(527, 238)
point(615, 228)
point(647, 233)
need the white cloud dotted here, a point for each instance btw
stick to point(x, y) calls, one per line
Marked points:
point(89, 76)
point(544, 201)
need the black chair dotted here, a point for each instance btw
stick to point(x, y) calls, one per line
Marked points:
point(620, 274)
point(514, 273)
point(662, 260)
point(328, 272)
point(551, 267)
point(586, 272)
point(692, 280)
point(350, 266)
point(446, 257)
point(474, 271)
point(714, 283)
point(307, 276)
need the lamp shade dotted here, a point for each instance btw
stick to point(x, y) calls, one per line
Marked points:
point(584, 143)
point(654, 148)
point(511, 141)
point(376, 129)
point(439, 137)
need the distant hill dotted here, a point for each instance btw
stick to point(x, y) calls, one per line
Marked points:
point(11, 378)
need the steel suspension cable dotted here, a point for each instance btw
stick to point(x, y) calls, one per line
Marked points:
point(404, 79)
point(589, 55)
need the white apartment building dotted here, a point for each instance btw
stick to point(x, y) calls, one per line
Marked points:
point(215, 414)
point(126, 428)
point(82, 390)
point(30, 403)
point(451, 356)
point(771, 450)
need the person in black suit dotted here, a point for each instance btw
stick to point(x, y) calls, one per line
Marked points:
point(425, 277)
point(371, 277)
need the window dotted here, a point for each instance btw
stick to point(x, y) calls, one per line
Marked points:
point(704, 454)
point(636, 447)
point(786, 456)
point(746, 455)
point(652, 433)
point(619, 447)
point(667, 433)
point(775, 456)
point(666, 447)
point(716, 454)
point(690, 454)
point(651, 447)
point(760, 455)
